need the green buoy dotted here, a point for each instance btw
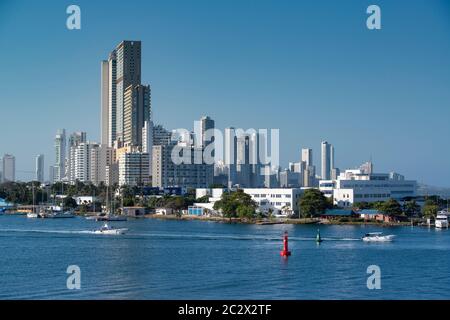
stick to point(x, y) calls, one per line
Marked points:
point(318, 238)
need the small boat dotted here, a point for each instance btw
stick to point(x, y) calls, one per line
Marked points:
point(377, 237)
point(441, 220)
point(108, 230)
point(32, 215)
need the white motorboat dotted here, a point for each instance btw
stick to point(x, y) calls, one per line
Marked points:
point(441, 220)
point(108, 230)
point(377, 237)
point(32, 215)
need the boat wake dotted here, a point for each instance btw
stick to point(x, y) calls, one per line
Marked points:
point(48, 231)
point(179, 236)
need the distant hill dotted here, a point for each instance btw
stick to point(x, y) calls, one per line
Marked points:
point(423, 190)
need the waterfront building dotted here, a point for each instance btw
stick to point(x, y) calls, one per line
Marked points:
point(353, 186)
point(60, 155)
point(134, 169)
point(278, 201)
point(8, 168)
point(39, 168)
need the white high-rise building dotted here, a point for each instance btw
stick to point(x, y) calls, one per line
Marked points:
point(76, 167)
point(39, 172)
point(327, 160)
point(307, 156)
point(101, 156)
point(147, 141)
point(60, 155)
point(8, 168)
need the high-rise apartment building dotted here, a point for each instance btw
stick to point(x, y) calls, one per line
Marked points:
point(39, 171)
point(60, 155)
point(77, 158)
point(134, 169)
point(8, 168)
point(121, 70)
point(136, 112)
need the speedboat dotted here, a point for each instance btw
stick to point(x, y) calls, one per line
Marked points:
point(441, 220)
point(377, 237)
point(108, 230)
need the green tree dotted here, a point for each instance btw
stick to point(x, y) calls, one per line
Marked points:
point(313, 203)
point(391, 207)
point(411, 208)
point(69, 202)
point(236, 204)
point(430, 208)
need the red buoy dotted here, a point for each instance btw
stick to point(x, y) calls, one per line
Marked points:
point(285, 252)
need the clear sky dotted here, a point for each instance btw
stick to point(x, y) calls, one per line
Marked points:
point(310, 68)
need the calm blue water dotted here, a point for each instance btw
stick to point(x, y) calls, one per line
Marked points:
point(208, 260)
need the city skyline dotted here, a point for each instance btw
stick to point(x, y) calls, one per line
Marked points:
point(177, 103)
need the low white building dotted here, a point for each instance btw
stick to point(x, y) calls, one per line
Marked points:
point(280, 201)
point(354, 186)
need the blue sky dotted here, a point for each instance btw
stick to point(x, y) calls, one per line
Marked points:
point(310, 68)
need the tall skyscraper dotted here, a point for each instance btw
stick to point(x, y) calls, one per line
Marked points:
point(206, 123)
point(112, 99)
point(122, 72)
point(137, 111)
point(327, 160)
point(60, 155)
point(128, 55)
point(307, 156)
point(39, 173)
point(104, 113)
point(8, 168)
